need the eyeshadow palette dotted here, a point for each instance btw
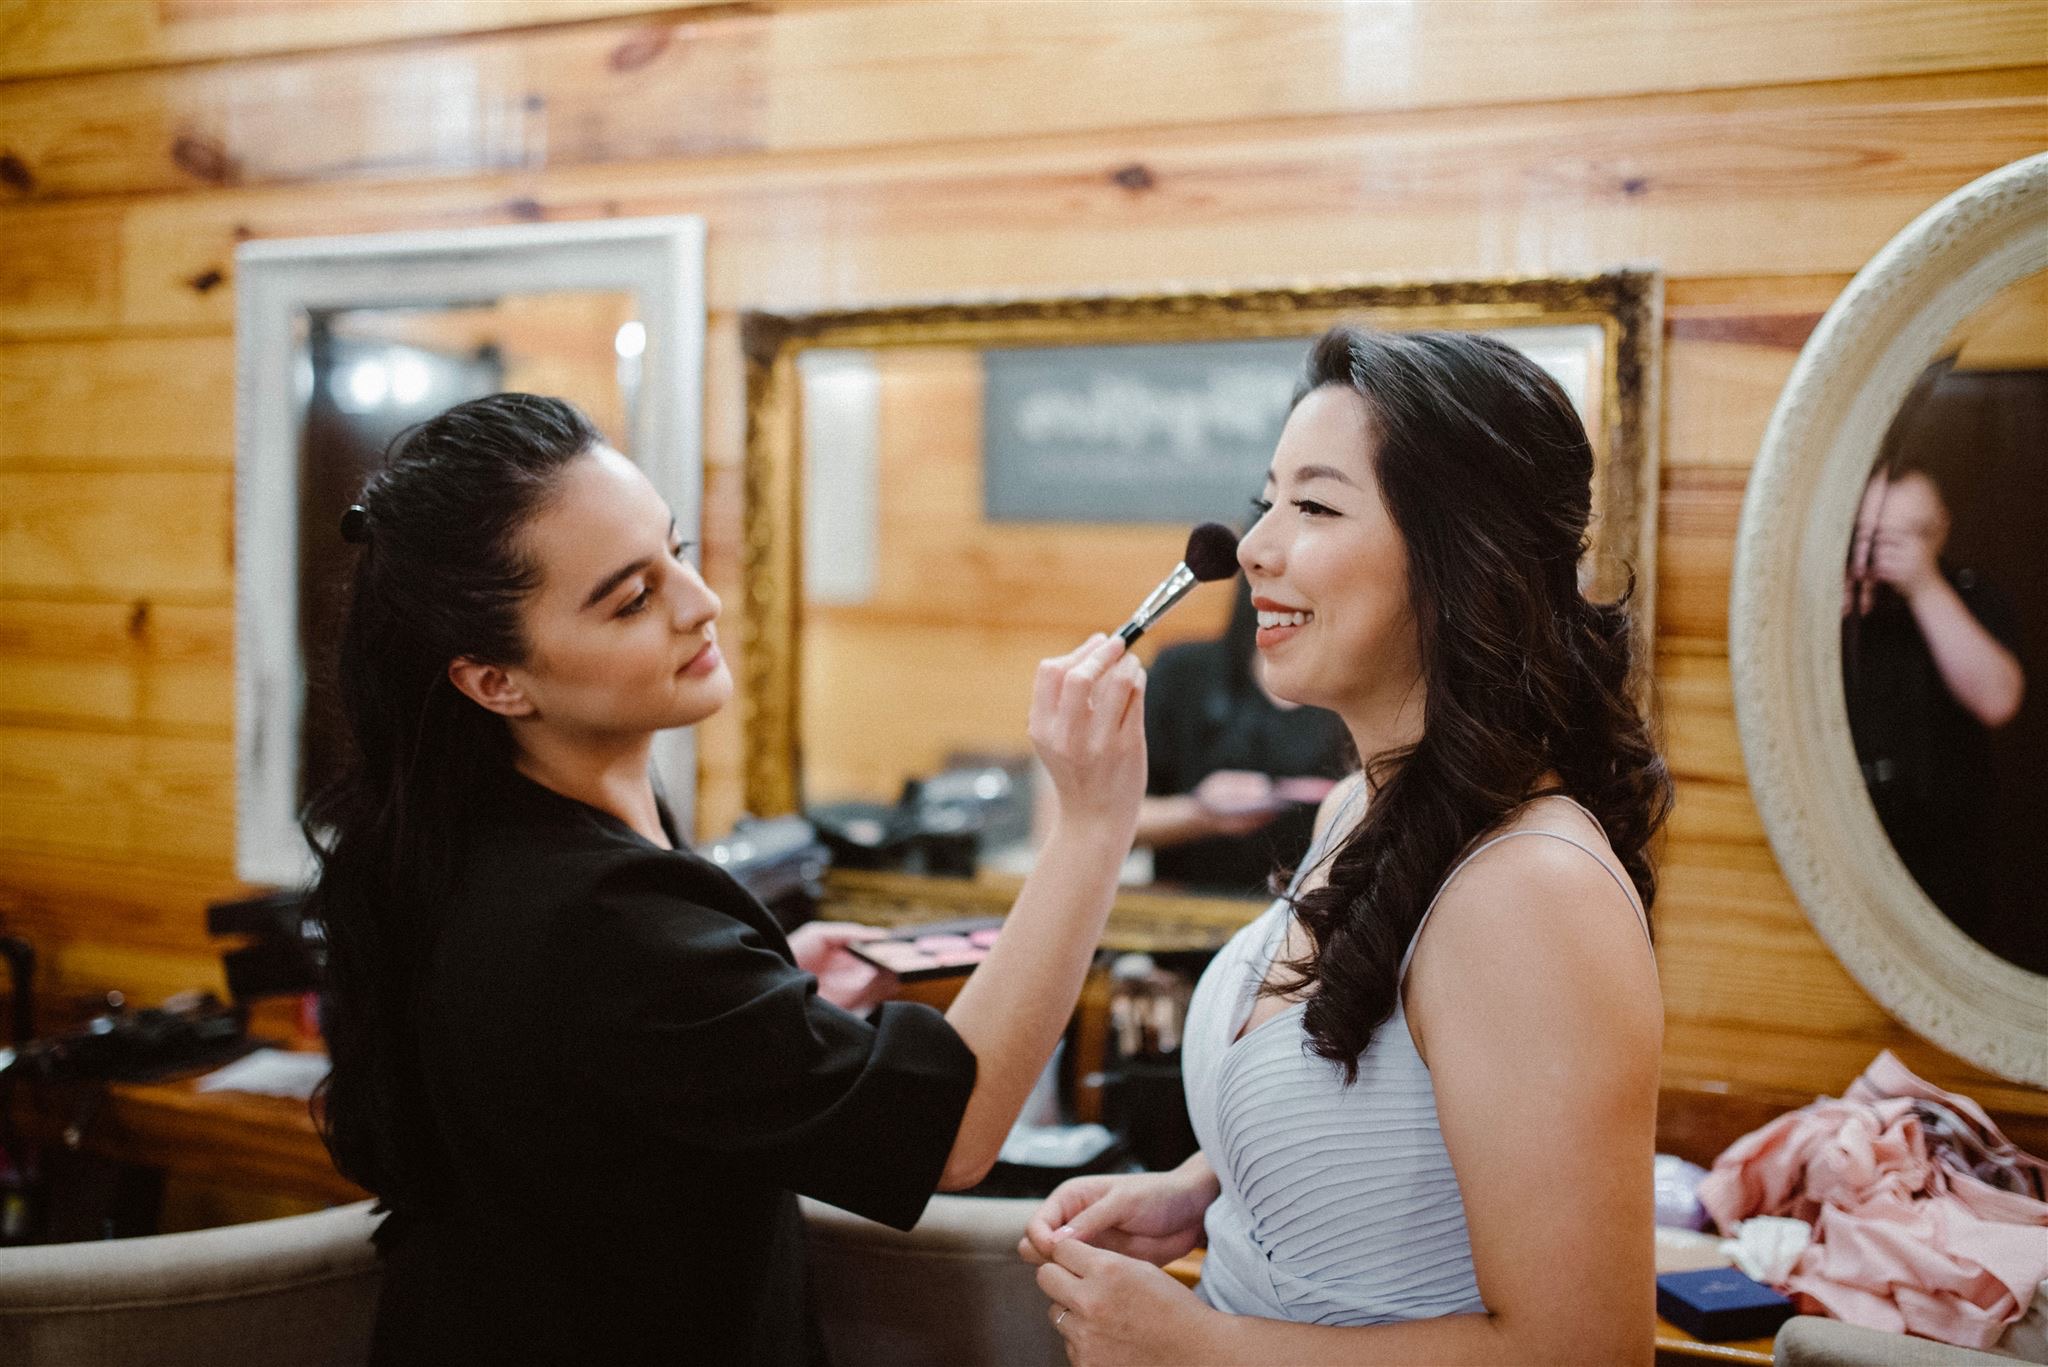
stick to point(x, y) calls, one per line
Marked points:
point(1258, 794)
point(941, 949)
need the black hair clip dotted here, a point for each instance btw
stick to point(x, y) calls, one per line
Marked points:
point(355, 525)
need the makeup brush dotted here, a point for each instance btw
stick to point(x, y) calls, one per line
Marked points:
point(1211, 555)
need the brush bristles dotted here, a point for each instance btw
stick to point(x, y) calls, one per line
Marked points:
point(1212, 552)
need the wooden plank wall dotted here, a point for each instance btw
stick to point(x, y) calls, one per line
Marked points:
point(938, 660)
point(854, 153)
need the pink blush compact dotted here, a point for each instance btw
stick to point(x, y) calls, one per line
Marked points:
point(896, 956)
point(939, 950)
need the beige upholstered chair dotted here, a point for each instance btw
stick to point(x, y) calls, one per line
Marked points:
point(298, 1292)
point(1810, 1341)
point(951, 1293)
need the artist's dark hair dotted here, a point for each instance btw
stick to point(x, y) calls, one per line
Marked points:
point(441, 574)
point(1486, 471)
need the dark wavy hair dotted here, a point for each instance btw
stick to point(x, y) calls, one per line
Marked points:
point(441, 574)
point(1486, 471)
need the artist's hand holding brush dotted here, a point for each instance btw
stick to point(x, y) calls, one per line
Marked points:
point(1088, 727)
point(1109, 730)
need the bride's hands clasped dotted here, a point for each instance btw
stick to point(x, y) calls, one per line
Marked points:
point(1154, 1216)
point(1100, 1242)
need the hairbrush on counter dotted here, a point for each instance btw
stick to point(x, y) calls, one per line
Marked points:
point(1211, 555)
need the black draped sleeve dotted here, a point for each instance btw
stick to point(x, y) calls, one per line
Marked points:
point(698, 1029)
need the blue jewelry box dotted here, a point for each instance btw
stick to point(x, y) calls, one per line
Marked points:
point(1716, 1303)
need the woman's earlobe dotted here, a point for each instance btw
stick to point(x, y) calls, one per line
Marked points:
point(489, 687)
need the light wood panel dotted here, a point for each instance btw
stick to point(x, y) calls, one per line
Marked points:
point(162, 534)
point(1814, 1063)
point(46, 36)
point(847, 155)
point(970, 694)
point(1706, 184)
point(118, 666)
point(732, 79)
point(121, 401)
point(1004, 69)
point(2011, 332)
point(1730, 348)
point(145, 904)
point(1712, 813)
point(60, 270)
point(1734, 946)
point(1697, 710)
point(121, 796)
point(540, 97)
point(1698, 511)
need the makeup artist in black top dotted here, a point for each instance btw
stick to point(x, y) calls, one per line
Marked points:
point(581, 1066)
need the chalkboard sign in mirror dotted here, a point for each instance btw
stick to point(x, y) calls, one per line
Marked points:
point(940, 496)
point(1171, 432)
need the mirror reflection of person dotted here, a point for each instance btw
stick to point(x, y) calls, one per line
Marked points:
point(1233, 774)
point(581, 1067)
point(1929, 669)
point(1425, 1080)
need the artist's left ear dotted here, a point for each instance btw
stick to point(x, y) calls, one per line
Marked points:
point(489, 687)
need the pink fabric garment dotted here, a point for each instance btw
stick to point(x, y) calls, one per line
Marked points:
point(1901, 1241)
point(1887, 1077)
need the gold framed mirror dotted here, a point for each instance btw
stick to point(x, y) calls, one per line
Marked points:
point(1886, 779)
point(939, 495)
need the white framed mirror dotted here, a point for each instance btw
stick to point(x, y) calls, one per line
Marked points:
point(343, 342)
point(1886, 589)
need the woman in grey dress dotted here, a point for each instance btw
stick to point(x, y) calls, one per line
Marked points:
point(1418, 1147)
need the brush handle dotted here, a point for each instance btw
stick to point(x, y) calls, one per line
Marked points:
point(1153, 608)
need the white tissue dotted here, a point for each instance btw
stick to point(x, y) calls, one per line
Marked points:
point(1767, 1247)
point(269, 1072)
point(1055, 1146)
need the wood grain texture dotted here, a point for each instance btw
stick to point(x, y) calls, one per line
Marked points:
point(846, 155)
point(53, 36)
point(1724, 367)
point(1746, 1056)
point(60, 270)
point(1698, 511)
point(741, 80)
point(118, 401)
point(118, 666)
point(163, 534)
point(1749, 182)
point(1697, 713)
point(146, 904)
point(123, 797)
